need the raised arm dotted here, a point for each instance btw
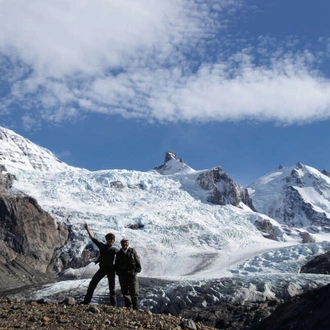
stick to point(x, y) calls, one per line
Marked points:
point(88, 231)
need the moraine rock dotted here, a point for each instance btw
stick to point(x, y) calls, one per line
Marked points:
point(38, 315)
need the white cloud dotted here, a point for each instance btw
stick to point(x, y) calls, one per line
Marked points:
point(162, 60)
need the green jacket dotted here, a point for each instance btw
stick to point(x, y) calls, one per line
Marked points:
point(127, 263)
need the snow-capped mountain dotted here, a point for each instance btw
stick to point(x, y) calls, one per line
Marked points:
point(193, 225)
point(172, 164)
point(178, 225)
point(23, 154)
point(297, 196)
point(219, 187)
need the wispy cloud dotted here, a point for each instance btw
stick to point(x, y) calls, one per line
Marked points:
point(156, 60)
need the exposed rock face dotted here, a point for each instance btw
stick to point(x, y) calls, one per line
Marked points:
point(265, 226)
point(318, 265)
point(170, 155)
point(28, 239)
point(222, 189)
point(297, 213)
point(306, 237)
point(308, 311)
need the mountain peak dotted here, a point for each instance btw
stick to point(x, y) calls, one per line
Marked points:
point(170, 155)
point(296, 196)
point(172, 164)
point(20, 152)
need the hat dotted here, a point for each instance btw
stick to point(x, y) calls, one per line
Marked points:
point(124, 240)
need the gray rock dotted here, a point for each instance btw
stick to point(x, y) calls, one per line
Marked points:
point(117, 184)
point(69, 301)
point(188, 324)
point(93, 309)
point(222, 189)
point(265, 226)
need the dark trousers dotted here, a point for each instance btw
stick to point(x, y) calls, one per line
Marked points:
point(130, 289)
point(95, 281)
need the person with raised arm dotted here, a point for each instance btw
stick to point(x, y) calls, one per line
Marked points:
point(106, 262)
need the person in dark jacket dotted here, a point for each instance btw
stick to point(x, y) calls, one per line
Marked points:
point(106, 263)
point(127, 266)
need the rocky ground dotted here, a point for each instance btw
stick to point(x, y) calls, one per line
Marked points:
point(224, 315)
point(69, 315)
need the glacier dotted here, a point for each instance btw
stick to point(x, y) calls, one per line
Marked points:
point(193, 252)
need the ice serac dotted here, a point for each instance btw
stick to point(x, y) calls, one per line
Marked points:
point(222, 189)
point(297, 196)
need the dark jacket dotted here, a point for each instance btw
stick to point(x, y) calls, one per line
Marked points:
point(107, 254)
point(127, 263)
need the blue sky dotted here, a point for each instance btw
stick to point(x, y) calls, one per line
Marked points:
point(244, 85)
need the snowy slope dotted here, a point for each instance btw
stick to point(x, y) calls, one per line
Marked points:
point(298, 196)
point(22, 154)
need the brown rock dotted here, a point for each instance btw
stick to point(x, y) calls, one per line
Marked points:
point(28, 238)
